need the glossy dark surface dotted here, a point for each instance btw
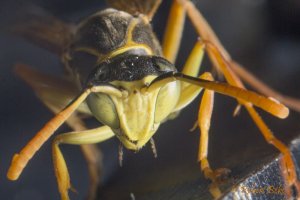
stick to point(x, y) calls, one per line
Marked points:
point(129, 67)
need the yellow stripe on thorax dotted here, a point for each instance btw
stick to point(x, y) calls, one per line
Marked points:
point(129, 45)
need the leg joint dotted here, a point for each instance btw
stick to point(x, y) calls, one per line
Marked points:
point(184, 3)
point(56, 141)
point(278, 144)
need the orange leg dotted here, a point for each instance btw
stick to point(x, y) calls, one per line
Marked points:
point(56, 93)
point(223, 62)
point(220, 62)
point(21, 159)
point(173, 32)
point(91, 136)
point(204, 119)
point(249, 78)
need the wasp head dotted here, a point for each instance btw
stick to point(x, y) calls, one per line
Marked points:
point(135, 116)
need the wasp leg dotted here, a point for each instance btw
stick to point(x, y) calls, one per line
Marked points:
point(175, 25)
point(173, 32)
point(56, 93)
point(249, 78)
point(21, 159)
point(201, 25)
point(173, 36)
point(290, 173)
point(78, 138)
point(192, 66)
point(222, 56)
point(204, 119)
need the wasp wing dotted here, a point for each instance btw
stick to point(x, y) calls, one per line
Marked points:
point(135, 7)
point(43, 30)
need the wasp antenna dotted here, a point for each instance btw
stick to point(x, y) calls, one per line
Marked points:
point(161, 81)
point(20, 160)
point(153, 147)
point(108, 89)
point(244, 96)
point(121, 153)
point(132, 196)
point(237, 110)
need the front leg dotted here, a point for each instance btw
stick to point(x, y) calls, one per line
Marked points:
point(204, 119)
point(56, 93)
point(289, 170)
point(223, 62)
point(191, 67)
point(78, 138)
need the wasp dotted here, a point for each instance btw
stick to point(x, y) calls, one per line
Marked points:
point(117, 72)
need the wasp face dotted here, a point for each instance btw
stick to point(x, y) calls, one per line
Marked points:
point(136, 115)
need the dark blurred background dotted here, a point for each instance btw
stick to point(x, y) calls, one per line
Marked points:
point(263, 35)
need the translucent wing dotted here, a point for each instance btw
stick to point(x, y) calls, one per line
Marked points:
point(135, 7)
point(42, 29)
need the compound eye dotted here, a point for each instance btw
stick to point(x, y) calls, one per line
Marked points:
point(104, 110)
point(163, 65)
point(166, 101)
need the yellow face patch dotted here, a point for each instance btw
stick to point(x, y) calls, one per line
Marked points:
point(136, 115)
point(136, 112)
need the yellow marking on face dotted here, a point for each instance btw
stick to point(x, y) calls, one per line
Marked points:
point(140, 112)
point(136, 113)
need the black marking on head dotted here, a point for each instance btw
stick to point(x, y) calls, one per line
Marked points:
point(129, 68)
